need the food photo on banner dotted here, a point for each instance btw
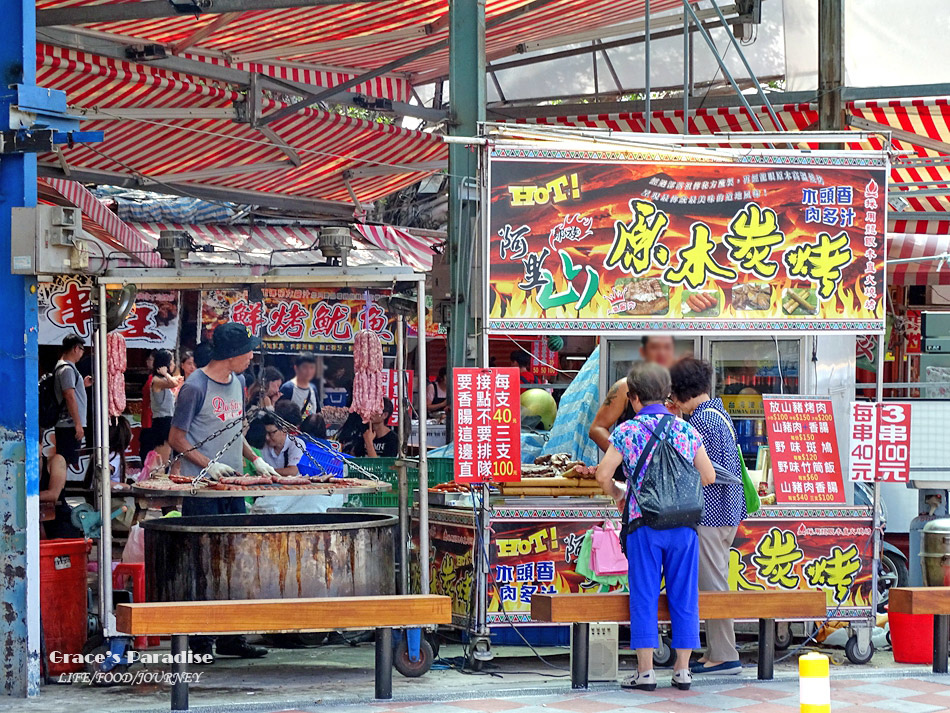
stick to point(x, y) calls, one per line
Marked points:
point(627, 245)
point(65, 307)
point(288, 320)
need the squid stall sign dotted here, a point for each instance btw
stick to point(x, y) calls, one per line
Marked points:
point(611, 242)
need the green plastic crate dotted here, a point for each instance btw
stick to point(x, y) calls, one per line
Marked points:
point(441, 470)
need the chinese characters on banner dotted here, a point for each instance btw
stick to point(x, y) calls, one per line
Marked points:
point(599, 244)
point(538, 551)
point(880, 442)
point(803, 448)
point(807, 551)
point(391, 389)
point(65, 307)
point(487, 425)
point(320, 321)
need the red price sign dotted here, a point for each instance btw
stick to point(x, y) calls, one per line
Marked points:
point(391, 387)
point(880, 442)
point(803, 448)
point(486, 415)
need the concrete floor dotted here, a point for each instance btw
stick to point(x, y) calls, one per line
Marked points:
point(334, 676)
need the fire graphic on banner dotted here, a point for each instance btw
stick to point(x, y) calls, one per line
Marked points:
point(624, 245)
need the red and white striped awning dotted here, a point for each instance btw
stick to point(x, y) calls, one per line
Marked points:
point(931, 269)
point(413, 250)
point(362, 36)
point(276, 245)
point(165, 128)
point(99, 221)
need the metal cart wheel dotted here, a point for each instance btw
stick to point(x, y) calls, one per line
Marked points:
point(406, 666)
point(664, 657)
point(783, 635)
point(855, 655)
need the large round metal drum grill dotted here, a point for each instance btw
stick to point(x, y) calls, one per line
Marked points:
point(269, 556)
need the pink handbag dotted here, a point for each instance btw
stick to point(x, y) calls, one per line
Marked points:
point(606, 557)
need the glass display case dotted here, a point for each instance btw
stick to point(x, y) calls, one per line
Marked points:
point(744, 370)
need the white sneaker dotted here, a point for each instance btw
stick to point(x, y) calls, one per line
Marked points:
point(682, 679)
point(645, 681)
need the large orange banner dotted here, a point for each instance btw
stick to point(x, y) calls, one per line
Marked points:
point(580, 242)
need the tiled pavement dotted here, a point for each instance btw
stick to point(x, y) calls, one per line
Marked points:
point(905, 695)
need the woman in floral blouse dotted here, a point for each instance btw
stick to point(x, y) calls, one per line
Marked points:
point(652, 554)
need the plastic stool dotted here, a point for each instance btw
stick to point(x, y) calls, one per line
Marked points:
point(136, 572)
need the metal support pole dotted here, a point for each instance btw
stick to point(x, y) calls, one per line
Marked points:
point(831, 116)
point(686, 68)
point(580, 655)
point(467, 78)
point(19, 431)
point(766, 649)
point(402, 476)
point(483, 546)
point(179, 669)
point(941, 642)
point(421, 372)
point(101, 391)
point(722, 65)
point(646, 63)
point(384, 663)
point(876, 489)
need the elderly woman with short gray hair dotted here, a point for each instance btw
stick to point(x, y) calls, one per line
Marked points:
point(653, 554)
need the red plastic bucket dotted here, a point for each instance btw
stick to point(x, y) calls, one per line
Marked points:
point(63, 600)
point(912, 636)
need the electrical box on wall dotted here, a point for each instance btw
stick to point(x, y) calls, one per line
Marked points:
point(603, 659)
point(47, 240)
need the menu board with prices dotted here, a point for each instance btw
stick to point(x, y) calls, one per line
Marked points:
point(803, 448)
point(487, 419)
point(880, 442)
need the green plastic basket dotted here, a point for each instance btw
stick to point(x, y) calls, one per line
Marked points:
point(441, 470)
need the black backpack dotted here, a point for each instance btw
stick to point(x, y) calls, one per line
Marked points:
point(671, 492)
point(50, 408)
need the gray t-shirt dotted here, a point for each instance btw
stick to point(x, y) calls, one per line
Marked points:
point(204, 407)
point(305, 398)
point(69, 378)
point(163, 403)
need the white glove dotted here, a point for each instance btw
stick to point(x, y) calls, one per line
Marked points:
point(216, 471)
point(262, 468)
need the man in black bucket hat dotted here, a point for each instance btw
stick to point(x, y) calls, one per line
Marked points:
point(207, 429)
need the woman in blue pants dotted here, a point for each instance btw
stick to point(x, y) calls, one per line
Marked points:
point(652, 554)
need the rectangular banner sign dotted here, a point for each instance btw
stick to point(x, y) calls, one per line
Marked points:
point(803, 448)
point(318, 321)
point(486, 416)
point(584, 241)
point(65, 307)
point(880, 442)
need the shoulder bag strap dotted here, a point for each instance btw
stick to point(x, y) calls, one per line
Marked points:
point(655, 433)
point(727, 422)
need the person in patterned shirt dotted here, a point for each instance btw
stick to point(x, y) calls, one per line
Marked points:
point(652, 553)
point(723, 504)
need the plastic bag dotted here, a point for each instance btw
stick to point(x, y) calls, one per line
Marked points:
point(606, 557)
point(135, 546)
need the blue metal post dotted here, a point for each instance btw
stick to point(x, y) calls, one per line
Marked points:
point(19, 435)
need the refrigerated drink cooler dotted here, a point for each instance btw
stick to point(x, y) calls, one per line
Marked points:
point(747, 367)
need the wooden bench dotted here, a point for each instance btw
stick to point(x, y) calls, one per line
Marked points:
point(270, 616)
point(581, 610)
point(927, 600)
